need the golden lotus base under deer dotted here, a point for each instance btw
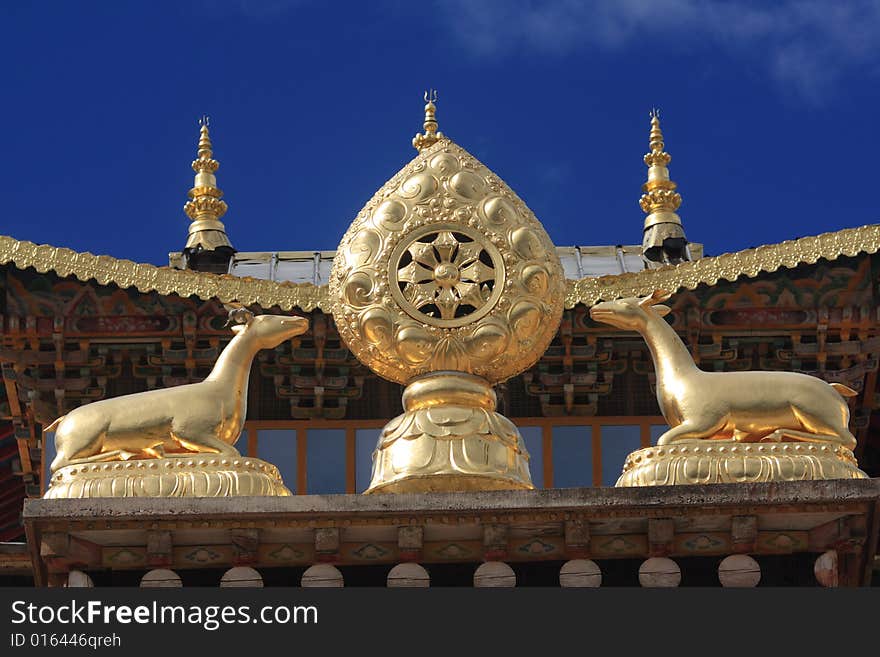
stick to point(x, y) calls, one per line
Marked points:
point(449, 439)
point(201, 476)
point(727, 461)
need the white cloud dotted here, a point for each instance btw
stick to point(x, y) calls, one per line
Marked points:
point(804, 44)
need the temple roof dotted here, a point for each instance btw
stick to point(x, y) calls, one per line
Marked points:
point(314, 266)
point(307, 295)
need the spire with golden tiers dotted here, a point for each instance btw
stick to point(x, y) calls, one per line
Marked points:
point(205, 207)
point(664, 241)
point(431, 136)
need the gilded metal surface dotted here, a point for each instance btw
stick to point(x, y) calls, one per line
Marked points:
point(744, 406)
point(206, 206)
point(663, 239)
point(168, 477)
point(431, 135)
point(107, 270)
point(449, 439)
point(732, 408)
point(446, 282)
point(730, 266)
point(483, 292)
point(178, 422)
point(446, 276)
point(727, 462)
point(660, 200)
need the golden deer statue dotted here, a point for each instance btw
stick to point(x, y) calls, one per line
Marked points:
point(198, 418)
point(743, 407)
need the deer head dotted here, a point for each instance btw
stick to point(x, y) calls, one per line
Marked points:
point(633, 313)
point(268, 331)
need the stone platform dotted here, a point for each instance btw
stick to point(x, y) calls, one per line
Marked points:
point(715, 520)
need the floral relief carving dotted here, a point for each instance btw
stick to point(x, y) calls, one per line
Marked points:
point(446, 268)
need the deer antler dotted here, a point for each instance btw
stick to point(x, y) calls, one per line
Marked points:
point(657, 296)
point(238, 314)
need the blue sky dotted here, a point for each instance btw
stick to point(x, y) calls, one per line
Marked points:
point(770, 112)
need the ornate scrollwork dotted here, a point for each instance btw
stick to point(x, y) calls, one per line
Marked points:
point(729, 266)
point(286, 295)
point(164, 280)
point(446, 268)
point(447, 282)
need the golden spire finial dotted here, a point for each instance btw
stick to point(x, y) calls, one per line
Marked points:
point(660, 201)
point(656, 136)
point(431, 136)
point(205, 207)
point(205, 150)
point(660, 194)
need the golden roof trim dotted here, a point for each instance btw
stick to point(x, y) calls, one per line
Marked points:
point(164, 280)
point(729, 266)
point(307, 297)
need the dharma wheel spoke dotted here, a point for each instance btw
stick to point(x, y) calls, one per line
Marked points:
point(446, 275)
point(467, 253)
point(445, 245)
point(470, 295)
point(447, 302)
point(421, 294)
point(415, 273)
point(478, 273)
point(423, 253)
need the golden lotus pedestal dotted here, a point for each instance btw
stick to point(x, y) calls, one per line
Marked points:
point(449, 439)
point(728, 461)
point(204, 475)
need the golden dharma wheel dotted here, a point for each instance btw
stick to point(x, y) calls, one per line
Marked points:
point(447, 283)
point(445, 268)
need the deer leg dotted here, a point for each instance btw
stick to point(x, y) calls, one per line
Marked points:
point(741, 436)
point(820, 430)
point(157, 451)
point(805, 436)
point(763, 436)
point(112, 455)
point(205, 443)
point(689, 430)
point(78, 440)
